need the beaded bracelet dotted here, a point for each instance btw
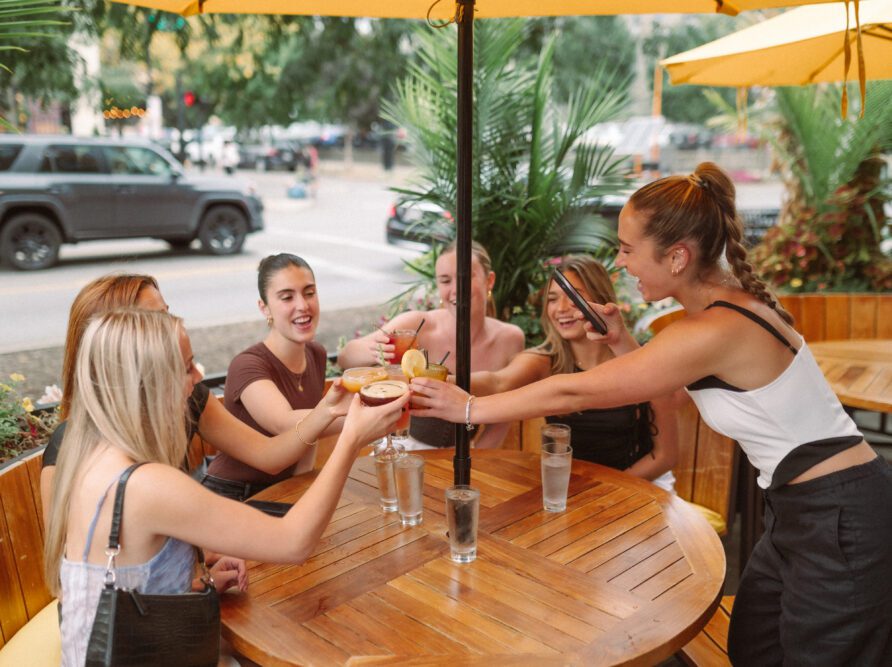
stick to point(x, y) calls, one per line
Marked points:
point(468, 425)
point(301, 438)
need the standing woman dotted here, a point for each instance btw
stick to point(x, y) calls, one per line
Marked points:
point(493, 343)
point(817, 589)
point(207, 416)
point(641, 438)
point(133, 375)
point(273, 385)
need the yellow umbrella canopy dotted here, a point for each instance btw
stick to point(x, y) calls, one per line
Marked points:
point(801, 46)
point(445, 9)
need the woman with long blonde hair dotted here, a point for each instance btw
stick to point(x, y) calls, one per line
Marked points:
point(640, 438)
point(133, 375)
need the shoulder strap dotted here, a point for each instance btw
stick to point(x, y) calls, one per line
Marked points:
point(114, 542)
point(758, 320)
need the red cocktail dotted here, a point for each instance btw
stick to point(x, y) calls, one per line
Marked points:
point(402, 340)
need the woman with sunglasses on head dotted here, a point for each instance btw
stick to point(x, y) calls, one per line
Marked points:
point(641, 438)
point(817, 589)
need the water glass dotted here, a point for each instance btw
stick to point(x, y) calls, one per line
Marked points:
point(409, 474)
point(385, 457)
point(555, 432)
point(556, 461)
point(462, 514)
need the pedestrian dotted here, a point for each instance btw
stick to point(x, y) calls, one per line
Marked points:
point(817, 589)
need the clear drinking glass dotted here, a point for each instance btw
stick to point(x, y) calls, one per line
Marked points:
point(409, 473)
point(557, 458)
point(386, 454)
point(555, 432)
point(462, 515)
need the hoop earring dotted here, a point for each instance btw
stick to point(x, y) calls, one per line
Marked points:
point(489, 294)
point(269, 321)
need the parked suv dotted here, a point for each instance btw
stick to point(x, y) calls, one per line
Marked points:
point(56, 190)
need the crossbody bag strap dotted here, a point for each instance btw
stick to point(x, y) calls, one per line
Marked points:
point(114, 535)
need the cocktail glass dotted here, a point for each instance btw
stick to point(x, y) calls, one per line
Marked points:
point(402, 340)
point(356, 378)
point(380, 393)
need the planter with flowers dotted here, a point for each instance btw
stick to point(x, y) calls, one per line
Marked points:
point(23, 426)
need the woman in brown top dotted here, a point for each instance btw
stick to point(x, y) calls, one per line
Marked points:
point(275, 384)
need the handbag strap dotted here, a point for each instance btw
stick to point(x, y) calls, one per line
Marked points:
point(114, 535)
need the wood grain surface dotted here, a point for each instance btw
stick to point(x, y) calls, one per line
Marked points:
point(859, 371)
point(628, 574)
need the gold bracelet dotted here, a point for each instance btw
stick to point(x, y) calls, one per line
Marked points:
point(301, 438)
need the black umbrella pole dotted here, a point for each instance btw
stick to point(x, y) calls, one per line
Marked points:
point(465, 20)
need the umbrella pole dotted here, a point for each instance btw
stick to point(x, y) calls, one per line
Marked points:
point(461, 462)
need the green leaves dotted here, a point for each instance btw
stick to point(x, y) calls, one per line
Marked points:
point(533, 169)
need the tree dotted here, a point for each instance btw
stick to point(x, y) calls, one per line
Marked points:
point(533, 169)
point(830, 227)
point(36, 61)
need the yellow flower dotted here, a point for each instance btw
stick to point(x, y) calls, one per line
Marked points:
point(5, 387)
point(17, 377)
point(27, 404)
point(796, 282)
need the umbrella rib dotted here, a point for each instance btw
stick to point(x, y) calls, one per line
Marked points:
point(833, 56)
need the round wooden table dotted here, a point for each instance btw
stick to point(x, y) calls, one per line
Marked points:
point(627, 575)
point(859, 371)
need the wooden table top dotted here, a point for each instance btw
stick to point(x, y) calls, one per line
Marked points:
point(859, 371)
point(628, 574)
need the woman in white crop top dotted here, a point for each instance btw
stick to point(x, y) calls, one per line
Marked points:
point(817, 589)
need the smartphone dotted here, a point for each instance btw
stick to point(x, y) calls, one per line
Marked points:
point(593, 317)
point(270, 507)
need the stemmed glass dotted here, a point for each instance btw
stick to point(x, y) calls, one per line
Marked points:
point(380, 393)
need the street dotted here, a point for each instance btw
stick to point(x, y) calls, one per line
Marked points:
point(340, 233)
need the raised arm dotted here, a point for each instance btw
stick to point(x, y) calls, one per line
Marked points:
point(372, 348)
point(187, 511)
point(526, 367)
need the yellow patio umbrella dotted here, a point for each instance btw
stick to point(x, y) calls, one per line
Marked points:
point(806, 45)
point(462, 13)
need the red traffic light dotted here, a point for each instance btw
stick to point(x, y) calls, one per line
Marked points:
point(189, 98)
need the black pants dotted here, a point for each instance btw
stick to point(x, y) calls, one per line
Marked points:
point(817, 589)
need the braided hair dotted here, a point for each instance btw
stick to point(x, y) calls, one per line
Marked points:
point(701, 208)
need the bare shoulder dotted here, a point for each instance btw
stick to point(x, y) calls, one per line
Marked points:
point(507, 333)
point(409, 319)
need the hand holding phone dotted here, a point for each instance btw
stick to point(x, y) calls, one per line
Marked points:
point(593, 317)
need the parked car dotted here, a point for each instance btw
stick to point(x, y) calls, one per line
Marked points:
point(417, 224)
point(281, 155)
point(61, 189)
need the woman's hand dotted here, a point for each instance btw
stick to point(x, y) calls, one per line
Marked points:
point(226, 572)
point(336, 400)
point(439, 399)
point(617, 337)
point(380, 349)
point(365, 424)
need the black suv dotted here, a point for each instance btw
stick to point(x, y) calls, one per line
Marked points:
point(56, 189)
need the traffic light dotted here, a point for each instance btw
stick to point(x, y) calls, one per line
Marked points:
point(190, 98)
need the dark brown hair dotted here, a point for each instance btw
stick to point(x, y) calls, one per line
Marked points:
point(100, 296)
point(270, 266)
point(701, 208)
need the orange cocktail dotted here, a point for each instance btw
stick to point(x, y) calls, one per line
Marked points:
point(355, 379)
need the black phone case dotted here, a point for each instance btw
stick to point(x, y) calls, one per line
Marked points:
point(270, 507)
point(593, 317)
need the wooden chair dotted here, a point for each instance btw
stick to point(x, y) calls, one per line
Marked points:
point(710, 647)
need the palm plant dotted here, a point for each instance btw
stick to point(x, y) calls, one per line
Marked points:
point(831, 223)
point(533, 168)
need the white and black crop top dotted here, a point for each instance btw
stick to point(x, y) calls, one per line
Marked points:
point(784, 427)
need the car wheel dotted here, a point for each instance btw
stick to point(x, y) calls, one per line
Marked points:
point(30, 241)
point(223, 230)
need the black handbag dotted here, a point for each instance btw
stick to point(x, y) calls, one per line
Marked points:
point(132, 629)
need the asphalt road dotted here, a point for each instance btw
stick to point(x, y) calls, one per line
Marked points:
point(340, 233)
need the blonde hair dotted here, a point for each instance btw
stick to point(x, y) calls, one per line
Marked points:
point(479, 253)
point(128, 394)
point(99, 296)
point(700, 207)
point(597, 283)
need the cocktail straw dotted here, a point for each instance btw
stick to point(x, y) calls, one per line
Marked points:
point(443, 360)
point(415, 337)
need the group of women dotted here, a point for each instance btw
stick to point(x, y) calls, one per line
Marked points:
point(817, 589)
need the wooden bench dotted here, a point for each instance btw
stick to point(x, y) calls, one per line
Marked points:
point(710, 647)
